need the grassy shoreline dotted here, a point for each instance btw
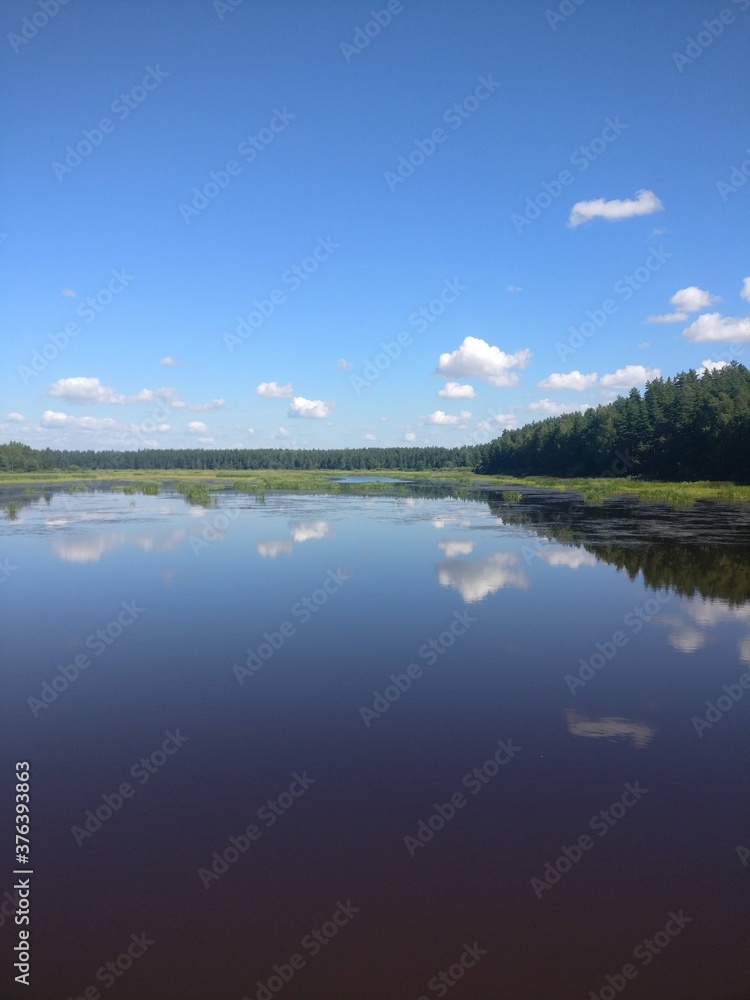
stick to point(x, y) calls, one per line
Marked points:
point(592, 490)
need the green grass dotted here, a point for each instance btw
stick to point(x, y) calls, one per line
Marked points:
point(198, 486)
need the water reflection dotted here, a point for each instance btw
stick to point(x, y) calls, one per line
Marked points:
point(304, 531)
point(610, 728)
point(454, 548)
point(91, 547)
point(274, 547)
point(476, 579)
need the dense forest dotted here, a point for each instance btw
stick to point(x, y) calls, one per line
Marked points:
point(684, 428)
point(689, 427)
point(15, 457)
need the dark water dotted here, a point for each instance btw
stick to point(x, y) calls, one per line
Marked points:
point(397, 644)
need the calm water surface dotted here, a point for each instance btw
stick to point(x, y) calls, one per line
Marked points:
point(332, 746)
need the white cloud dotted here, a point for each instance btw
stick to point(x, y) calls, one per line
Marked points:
point(370, 437)
point(571, 380)
point(215, 404)
point(644, 203)
point(51, 418)
point(312, 409)
point(440, 417)
point(82, 389)
point(343, 363)
point(475, 358)
point(456, 548)
point(303, 531)
point(454, 390)
point(476, 579)
point(170, 362)
point(514, 288)
point(644, 344)
point(714, 326)
point(745, 293)
point(16, 418)
point(272, 390)
point(554, 409)
point(69, 293)
point(629, 376)
point(206, 440)
point(692, 299)
point(197, 427)
point(147, 428)
point(707, 365)
point(503, 420)
point(271, 549)
point(410, 436)
point(282, 432)
point(573, 558)
point(667, 318)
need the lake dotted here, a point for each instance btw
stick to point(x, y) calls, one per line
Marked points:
point(398, 745)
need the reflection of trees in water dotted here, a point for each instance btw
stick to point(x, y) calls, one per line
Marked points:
point(703, 549)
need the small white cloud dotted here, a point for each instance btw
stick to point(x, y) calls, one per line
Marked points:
point(644, 344)
point(271, 549)
point(170, 362)
point(692, 299)
point(16, 418)
point(571, 380)
point(644, 203)
point(454, 390)
point(370, 437)
point(205, 440)
point(410, 436)
point(282, 432)
point(84, 390)
point(251, 430)
point(714, 326)
point(554, 409)
point(514, 288)
point(745, 293)
point(312, 409)
point(707, 365)
point(383, 420)
point(499, 421)
point(667, 318)
point(51, 418)
point(343, 363)
point(440, 417)
point(69, 293)
point(197, 427)
point(475, 358)
point(629, 376)
point(456, 548)
point(272, 390)
point(215, 404)
point(304, 531)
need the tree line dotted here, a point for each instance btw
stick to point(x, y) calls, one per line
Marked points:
point(684, 428)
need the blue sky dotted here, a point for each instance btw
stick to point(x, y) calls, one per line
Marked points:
point(501, 117)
